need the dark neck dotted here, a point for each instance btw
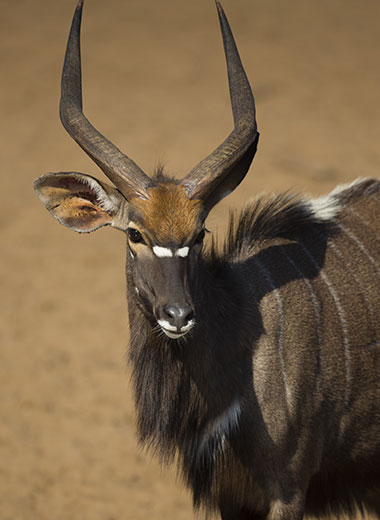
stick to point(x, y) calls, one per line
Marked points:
point(181, 386)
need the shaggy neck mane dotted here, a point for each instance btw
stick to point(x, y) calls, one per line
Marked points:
point(184, 387)
point(187, 397)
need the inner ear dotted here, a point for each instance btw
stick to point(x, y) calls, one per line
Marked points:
point(79, 201)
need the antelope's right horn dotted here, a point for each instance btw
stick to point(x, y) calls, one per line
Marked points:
point(119, 168)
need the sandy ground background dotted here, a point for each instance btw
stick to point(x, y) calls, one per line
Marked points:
point(155, 84)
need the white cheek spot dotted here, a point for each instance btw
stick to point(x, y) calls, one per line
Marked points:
point(166, 325)
point(183, 252)
point(188, 326)
point(132, 255)
point(162, 252)
point(137, 291)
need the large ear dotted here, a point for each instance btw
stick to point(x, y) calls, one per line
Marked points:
point(81, 202)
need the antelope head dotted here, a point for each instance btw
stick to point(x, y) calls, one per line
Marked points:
point(164, 220)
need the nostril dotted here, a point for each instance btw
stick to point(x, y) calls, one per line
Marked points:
point(179, 314)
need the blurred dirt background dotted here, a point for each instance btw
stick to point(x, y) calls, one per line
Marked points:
point(155, 84)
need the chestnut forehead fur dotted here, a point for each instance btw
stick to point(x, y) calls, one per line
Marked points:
point(168, 215)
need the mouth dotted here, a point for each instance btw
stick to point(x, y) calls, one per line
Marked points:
point(175, 332)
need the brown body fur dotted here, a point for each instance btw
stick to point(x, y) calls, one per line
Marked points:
point(309, 431)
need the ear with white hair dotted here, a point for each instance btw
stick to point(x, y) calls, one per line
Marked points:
point(81, 202)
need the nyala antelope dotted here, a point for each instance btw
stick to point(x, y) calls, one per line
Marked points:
point(256, 365)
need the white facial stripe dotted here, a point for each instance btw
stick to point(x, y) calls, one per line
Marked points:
point(182, 251)
point(162, 252)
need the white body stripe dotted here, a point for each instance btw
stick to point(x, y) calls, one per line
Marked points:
point(340, 255)
point(359, 217)
point(361, 246)
point(314, 300)
point(343, 321)
point(280, 337)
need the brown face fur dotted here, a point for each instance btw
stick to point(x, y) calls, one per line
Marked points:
point(168, 215)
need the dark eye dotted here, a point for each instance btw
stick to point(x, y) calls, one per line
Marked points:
point(135, 236)
point(200, 237)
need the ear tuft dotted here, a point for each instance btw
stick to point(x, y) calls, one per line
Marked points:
point(79, 201)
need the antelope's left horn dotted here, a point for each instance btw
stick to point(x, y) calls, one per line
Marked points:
point(221, 171)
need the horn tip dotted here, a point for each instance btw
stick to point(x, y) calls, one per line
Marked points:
point(222, 16)
point(219, 7)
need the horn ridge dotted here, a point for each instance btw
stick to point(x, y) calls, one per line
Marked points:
point(119, 168)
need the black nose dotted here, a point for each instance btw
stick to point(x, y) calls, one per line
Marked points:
point(178, 315)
